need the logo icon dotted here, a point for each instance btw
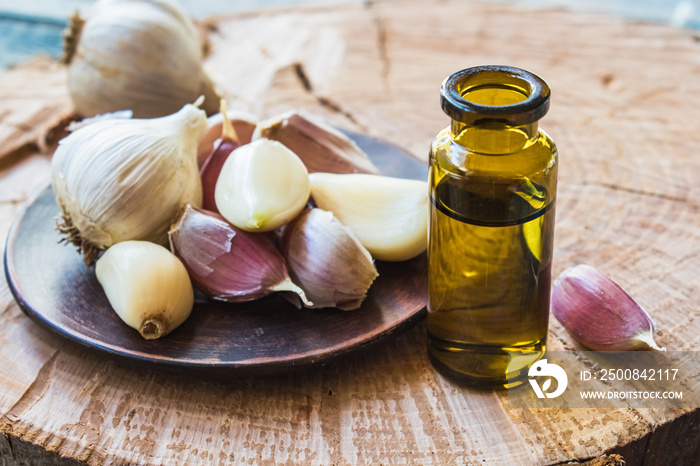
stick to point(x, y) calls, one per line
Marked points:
point(544, 369)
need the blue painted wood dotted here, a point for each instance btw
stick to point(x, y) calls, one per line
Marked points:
point(23, 36)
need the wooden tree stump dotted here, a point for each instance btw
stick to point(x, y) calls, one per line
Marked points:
point(625, 107)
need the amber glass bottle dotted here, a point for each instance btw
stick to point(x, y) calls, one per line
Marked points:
point(493, 180)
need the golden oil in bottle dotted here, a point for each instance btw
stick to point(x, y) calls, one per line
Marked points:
point(492, 184)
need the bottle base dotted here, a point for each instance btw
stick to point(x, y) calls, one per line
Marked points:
point(484, 366)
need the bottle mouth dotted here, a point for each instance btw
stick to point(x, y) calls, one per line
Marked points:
point(493, 93)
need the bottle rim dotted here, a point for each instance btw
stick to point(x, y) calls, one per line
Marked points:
point(526, 111)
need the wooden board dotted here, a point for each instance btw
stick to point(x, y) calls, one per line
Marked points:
point(625, 108)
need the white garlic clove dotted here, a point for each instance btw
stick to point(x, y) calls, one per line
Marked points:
point(388, 215)
point(327, 261)
point(599, 314)
point(262, 186)
point(319, 146)
point(243, 124)
point(126, 179)
point(143, 56)
point(226, 263)
point(147, 286)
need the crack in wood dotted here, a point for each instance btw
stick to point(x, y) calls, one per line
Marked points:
point(641, 192)
point(382, 49)
point(33, 394)
point(6, 308)
point(322, 100)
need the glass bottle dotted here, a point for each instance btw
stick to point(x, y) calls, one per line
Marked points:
point(493, 181)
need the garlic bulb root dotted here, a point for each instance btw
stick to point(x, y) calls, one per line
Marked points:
point(147, 286)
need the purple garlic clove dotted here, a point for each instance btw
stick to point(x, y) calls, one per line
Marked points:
point(327, 260)
point(599, 314)
point(211, 168)
point(243, 125)
point(319, 146)
point(226, 263)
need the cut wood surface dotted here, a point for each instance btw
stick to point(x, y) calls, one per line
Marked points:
point(625, 112)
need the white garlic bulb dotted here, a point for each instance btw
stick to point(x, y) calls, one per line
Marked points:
point(262, 186)
point(122, 179)
point(147, 286)
point(139, 55)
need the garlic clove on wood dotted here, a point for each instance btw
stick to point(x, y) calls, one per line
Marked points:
point(227, 263)
point(599, 314)
point(243, 125)
point(319, 146)
point(262, 186)
point(327, 261)
point(388, 215)
point(147, 286)
point(126, 179)
point(143, 56)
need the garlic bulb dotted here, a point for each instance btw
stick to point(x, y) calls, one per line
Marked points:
point(243, 125)
point(598, 313)
point(327, 261)
point(139, 55)
point(147, 286)
point(262, 186)
point(388, 215)
point(124, 179)
point(226, 263)
point(320, 147)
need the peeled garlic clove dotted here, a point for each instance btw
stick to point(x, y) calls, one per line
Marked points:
point(320, 147)
point(388, 215)
point(262, 186)
point(211, 169)
point(126, 179)
point(243, 124)
point(598, 313)
point(144, 56)
point(147, 286)
point(226, 263)
point(327, 261)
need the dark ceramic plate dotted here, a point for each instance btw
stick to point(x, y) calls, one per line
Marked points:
point(55, 289)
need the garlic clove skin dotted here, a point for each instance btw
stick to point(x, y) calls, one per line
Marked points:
point(126, 179)
point(327, 261)
point(319, 146)
point(226, 263)
point(599, 314)
point(262, 186)
point(211, 169)
point(388, 215)
point(143, 56)
point(243, 124)
point(147, 286)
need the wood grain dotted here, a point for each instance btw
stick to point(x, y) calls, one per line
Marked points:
point(625, 106)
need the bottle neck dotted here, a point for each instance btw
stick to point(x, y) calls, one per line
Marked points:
point(494, 138)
